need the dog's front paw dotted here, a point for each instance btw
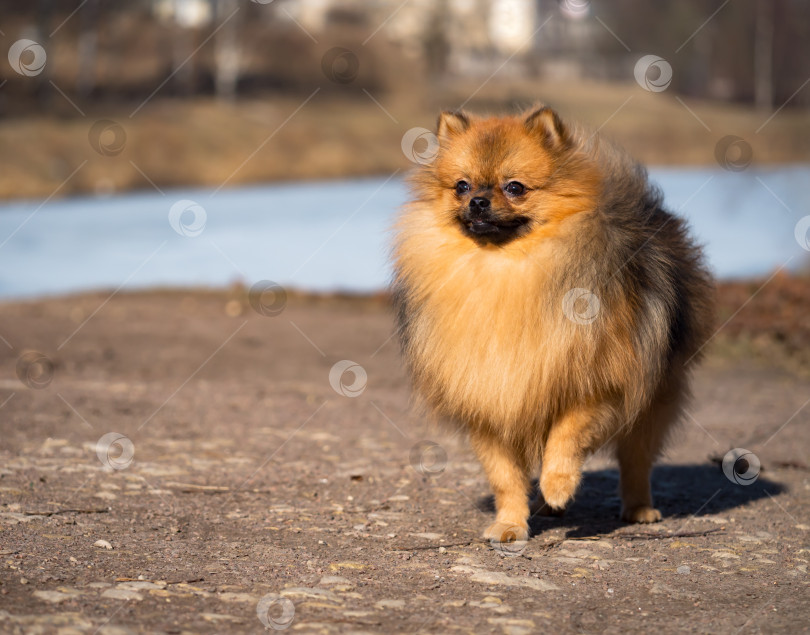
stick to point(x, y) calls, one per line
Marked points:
point(558, 488)
point(506, 532)
point(641, 514)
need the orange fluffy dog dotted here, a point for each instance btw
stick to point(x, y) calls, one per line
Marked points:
point(548, 304)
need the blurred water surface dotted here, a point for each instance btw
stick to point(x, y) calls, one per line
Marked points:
point(326, 236)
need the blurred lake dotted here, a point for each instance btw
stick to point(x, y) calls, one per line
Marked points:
point(327, 236)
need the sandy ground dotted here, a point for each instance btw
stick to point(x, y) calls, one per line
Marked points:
point(249, 492)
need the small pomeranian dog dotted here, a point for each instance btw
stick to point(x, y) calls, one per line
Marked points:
point(550, 305)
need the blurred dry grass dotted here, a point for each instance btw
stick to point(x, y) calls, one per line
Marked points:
point(343, 133)
point(772, 330)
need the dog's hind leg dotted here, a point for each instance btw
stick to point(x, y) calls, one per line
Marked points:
point(638, 449)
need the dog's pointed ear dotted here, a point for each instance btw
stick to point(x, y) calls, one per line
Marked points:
point(451, 123)
point(544, 122)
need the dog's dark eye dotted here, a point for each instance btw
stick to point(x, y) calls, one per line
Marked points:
point(462, 187)
point(513, 188)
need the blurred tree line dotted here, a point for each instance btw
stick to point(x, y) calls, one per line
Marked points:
point(751, 51)
point(103, 51)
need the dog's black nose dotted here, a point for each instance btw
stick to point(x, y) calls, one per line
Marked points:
point(479, 204)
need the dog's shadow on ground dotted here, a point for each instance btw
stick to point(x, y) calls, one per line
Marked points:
point(679, 491)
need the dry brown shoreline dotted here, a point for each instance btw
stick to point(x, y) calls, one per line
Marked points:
point(773, 330)
point(174, 143)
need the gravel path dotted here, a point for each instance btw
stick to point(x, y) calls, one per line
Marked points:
point(243, 491)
